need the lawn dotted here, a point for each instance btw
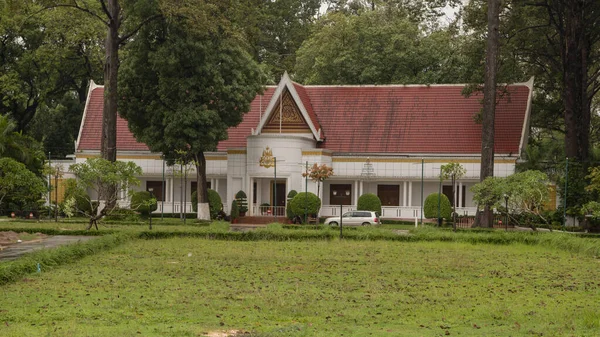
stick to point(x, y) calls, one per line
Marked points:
point(191, 286)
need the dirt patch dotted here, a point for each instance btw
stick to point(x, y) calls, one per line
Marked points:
point(10, 237)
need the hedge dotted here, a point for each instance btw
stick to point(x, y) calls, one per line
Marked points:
point(305, 202)
point(369, 202)
point(430, 208)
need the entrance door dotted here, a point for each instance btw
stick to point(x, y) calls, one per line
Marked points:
point(389, 195)
point(281, 197)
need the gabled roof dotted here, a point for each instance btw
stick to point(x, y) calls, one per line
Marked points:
point(394, 119)
point(90, 130)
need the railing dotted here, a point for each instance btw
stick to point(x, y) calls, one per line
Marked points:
point(268, 210)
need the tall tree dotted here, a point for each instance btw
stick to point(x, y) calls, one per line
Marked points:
point(489, 102)
point(182, 88)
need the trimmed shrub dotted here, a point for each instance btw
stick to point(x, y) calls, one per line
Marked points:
point(288, 209)
point(214, 203)
point(430, 208)
point(122, 214)
point(305, 200)
point(242, 201)
point(142, 202)
point(235, 213)
point(369, 202)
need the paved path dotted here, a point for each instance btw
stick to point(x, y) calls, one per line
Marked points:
point(15, 250)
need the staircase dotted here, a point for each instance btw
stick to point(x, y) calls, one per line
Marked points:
point(261, 220)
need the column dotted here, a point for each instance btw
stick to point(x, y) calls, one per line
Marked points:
point(409, 201)
point(404, 191)
point(216, 184)
point(356, 187)
point(460, 195)
point(362, 188)
point(251, 198)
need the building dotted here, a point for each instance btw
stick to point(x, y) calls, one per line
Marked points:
point(390, 140)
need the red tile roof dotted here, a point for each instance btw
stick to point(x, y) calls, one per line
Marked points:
point(435, 119)
point(92, 127)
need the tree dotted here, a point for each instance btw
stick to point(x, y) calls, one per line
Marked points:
point(242, 202)
point(489, 104)
point(22, 148)
point(47, 58)
point(305, 202)
point(318, 174)
point(453, 171)
point(437, 206)
point(525, 192)
point(97, 174)
point(182, 89)
point(18, 183)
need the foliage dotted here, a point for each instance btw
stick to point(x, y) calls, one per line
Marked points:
point(305, 202)
point(234, 212)
point(143, 202)
point(22, 148)
point(18, 184)
point(318, 172)
point(433, 204)
point(68, 207)
point(525, 192)
point(187, 108)
point(383, 46)
point(215, 203)
point(369, 202)
point(127, 215)
point(453, 170)
point(242, 201)
point(99, 175)
point(288, 208)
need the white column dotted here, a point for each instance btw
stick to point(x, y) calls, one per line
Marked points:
point(251, 197)
point(171, 190)
point(362, 188)
point(409, 203)
point(404, 194)
point(216, 186)
point(460, 195)
point(356, 188)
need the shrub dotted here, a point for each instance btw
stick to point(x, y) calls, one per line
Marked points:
point(235, 213)
point(369, 202)
point(430, 208)
point(242, 201)
point(214, 203)
point(143, 202)
point(306, 200)
point(288, 209)
point(123, 214)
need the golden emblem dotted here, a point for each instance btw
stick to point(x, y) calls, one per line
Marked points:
point(267, 160)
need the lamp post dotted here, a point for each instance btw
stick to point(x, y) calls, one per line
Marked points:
point(439, 219)
point(150, 213)
point(275, 186)
point(422, 175)
point(506, 207)
point(565, 198)
point(306, 194)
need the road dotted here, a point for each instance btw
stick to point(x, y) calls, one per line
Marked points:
point(13, 251)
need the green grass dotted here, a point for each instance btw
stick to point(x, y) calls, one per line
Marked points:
point(189, 286)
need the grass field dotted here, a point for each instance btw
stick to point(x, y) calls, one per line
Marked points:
point(188, 287)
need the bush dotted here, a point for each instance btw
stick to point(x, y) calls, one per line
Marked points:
point(305, 200)
point(288, 209)
point(123, 214)
point(369, 202)
point(430, 208)
point(242, 201)
point(143, 202)
point(214, 203)
point(235, 212)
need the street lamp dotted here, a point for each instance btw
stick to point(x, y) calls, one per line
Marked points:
point(150, 213)
point(439, 214)
point(506, 206)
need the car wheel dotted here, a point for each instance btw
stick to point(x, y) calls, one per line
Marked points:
point(333, 223)
point(366, 224)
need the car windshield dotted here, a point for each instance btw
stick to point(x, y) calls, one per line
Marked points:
point(347, 215)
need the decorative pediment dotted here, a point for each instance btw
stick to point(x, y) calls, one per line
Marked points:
point(286, 113)
point(286, 117)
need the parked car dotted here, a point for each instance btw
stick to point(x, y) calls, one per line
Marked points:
point(355, 218)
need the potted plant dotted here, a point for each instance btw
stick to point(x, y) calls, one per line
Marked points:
point(235, 212)
point(242, 202)
point(265, 208)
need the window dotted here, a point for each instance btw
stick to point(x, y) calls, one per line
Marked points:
point(340, 194)
point(389, 195)
point(157, 189)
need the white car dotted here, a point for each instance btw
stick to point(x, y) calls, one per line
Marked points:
point(354, 218)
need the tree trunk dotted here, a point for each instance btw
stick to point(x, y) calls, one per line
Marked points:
point(575, 56)
point(108, 147)
point(203, 207)
point(489, 104)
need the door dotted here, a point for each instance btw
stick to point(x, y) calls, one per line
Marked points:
point(389, 195)
point(279, 198)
